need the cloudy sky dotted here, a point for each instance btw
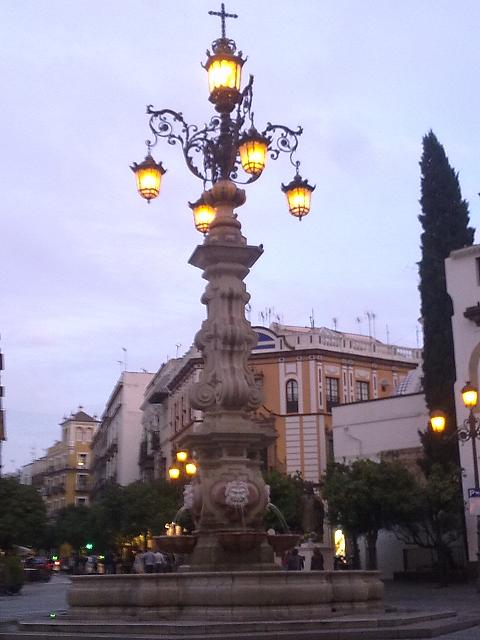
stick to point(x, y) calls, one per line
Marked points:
point(89, 268)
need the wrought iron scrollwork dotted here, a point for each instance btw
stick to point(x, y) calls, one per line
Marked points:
point(282, 139)
point(211, 153)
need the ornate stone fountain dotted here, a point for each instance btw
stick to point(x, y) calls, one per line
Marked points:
point(231, 572)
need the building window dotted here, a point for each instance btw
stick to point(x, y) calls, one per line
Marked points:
point(81, 501)
point(292, 396)
point(333, 392)
point(362, 390)
point(82, 460)
point(79, 434)
point(82, 482)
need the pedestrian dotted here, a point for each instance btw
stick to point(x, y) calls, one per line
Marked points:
point(160, 562)
point(138, 566)
point(295, 561)
point(316, 563)
point(149, 561)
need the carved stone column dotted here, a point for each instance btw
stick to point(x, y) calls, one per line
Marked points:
point(229, 493)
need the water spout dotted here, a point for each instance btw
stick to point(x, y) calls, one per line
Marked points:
point(280, 516)
point(179, 513)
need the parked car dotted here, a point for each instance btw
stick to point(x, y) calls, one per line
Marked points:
point(38, 569)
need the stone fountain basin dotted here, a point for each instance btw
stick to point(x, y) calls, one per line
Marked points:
point(175, 544)
point(239, 541)
point(242, 595)
point(281, 542)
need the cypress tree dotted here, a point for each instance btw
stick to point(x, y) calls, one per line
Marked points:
point(444, 219)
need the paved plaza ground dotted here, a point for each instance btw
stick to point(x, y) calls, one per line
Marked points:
point(37, 600)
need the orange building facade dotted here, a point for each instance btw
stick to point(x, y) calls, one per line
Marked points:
point(303, 373)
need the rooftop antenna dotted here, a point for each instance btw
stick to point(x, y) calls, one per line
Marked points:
point(388, 334)
point(373, 324)
point(312, 320)
point(335, 323)
point(178, 345)
point(369, 318)
point(124, 358)
point(358, 320)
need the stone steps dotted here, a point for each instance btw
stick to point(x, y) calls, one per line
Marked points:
point(391, 625)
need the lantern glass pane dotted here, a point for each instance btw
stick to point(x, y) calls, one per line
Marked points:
point(148, 182)
point(299, 201)
point(224, 74)
point(203, 216)
point(438, 423)
point(470, 397)
point(182, 456)
point(174, 473)
point(253, 154)
point(190, 468)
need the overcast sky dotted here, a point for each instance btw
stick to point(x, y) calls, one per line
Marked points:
point(89, 268)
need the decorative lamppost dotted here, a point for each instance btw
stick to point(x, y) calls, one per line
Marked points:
point(228, 496)
point(183, 465)
point(469, 430)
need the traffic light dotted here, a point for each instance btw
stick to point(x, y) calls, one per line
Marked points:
point(89, 546)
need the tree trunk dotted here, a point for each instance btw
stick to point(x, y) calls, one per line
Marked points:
point(371, 539)
point(355, 552)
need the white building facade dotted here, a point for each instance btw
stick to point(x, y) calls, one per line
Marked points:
point(116, 446)
point(463, 285)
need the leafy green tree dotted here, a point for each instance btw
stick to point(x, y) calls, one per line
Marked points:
point(365, 497)
point(108, 517)
point(74, 525)
point(434, 518)
point(444, 220)
point(148, 507)
point(286, 494)
point(22, 514)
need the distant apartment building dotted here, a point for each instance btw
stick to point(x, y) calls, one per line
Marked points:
point(62, 476)
point(167, 412)
point(304, 372)
point(116, 446)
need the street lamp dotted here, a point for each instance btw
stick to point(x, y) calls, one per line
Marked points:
point(229, 495)
point(183, 465)
point(469, 430)
point(229, 141)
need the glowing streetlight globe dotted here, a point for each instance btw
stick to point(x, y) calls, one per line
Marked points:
point(469, 396)
point(149, 177)
point(203, 215)
point(190, 468)
point(174, 473)
point(437, 421)
point(253, 151)
point(298, 194)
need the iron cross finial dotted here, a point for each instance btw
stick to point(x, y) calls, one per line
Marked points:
point(222, 15)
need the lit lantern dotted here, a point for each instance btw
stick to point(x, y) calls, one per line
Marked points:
point(298, 194)
point(190, 468)
point(149, 176)
point(174, 473)
point(182, 456)
point(224, 70)
point(469, 396)
point(203, 215)
point(253, 151)
point(437, 421)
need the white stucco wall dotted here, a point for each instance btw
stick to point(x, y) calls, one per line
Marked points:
point(463, 285)
point(365, 429)
point(130, 425)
